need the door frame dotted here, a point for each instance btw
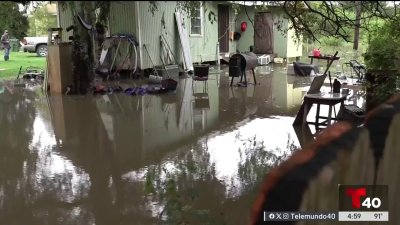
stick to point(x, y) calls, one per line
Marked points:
point(223, 38)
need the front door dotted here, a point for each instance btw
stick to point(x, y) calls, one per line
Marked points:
point(263, 36)
point(223, 28)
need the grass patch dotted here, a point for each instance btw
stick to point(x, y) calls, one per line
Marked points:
point(10, 69)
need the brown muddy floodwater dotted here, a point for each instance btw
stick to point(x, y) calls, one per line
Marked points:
point(176, 158)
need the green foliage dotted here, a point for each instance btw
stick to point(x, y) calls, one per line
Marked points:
point(331, 42)
point(382, 60)
point(384, 48)
point(40, 21)
point(12, 20)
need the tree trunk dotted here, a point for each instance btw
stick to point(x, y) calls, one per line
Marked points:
point(82, 72)
point(357, 24)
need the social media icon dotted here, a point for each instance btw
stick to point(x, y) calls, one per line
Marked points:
point(271, 216)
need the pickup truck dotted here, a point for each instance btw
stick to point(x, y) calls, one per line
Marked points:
point(35, 44)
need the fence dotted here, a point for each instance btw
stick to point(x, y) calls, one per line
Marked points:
point(342, 154)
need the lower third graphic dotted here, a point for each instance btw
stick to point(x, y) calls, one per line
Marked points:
point(300, 216)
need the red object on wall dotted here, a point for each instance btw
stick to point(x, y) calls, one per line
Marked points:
point(243, 26)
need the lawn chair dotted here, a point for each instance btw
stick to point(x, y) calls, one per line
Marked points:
point(357, 67)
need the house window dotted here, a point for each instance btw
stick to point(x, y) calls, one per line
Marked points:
point(196, 22)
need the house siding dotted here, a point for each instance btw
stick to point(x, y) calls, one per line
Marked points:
point(284, 43)
point(247, 38)
point(123, 19)
point(293, 49)
point(280, 40)
point(135, 18)
point(151, 29)
point(65, 20)
point(204, 48)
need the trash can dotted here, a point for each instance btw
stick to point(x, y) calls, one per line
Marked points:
point(14, 43)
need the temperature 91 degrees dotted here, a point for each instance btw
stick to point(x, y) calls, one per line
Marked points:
point(378, 216)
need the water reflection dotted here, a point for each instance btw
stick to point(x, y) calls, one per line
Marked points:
point(34, 178)
point(195, 156)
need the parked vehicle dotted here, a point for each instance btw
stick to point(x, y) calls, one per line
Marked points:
point(35, 44)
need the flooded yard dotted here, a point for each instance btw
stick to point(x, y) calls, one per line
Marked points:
point(196, 156)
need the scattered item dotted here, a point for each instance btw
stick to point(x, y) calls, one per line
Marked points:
point(101, 89)
point(352, 114)
point(156, 90)
point(316, 52)
point(166, 52)
point(103, 71)
point(305, 69)
point(19, 72)
point(278, 60)
point(316, 84)
point(336, 86)
point(69, 89)
point(31, 74)
point(236, 36)
point(169, 49)
point(169, 84)
point(153, 79)
point(171, 71)
point(264, 59)
point(126, 63)
point(355, 109)
point(359, 69)
point(165, 68)
point(184, 41)
point(241, 84)
point(34, 73)
point(135, 91)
